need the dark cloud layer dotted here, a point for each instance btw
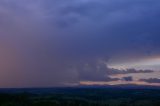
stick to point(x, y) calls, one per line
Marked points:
point(54, 42)
point(112, 71)
point(129, 78)
point(151, 80)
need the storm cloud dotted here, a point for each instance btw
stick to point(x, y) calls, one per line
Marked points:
point(58, 42)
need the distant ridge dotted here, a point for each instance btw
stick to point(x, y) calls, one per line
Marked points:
point(95, 86)
point(62, 89)
point(121, 86)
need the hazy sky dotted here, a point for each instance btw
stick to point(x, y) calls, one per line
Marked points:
point(46, 43)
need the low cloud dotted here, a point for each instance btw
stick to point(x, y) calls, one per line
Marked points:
point(97, 70)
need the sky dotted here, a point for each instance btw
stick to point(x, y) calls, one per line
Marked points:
point(49, 43)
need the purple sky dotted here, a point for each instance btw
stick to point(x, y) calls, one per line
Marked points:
point(47, 43)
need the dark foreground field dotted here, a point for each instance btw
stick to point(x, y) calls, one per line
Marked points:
point(80, 97)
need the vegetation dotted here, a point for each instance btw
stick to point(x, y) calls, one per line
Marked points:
point(81, 97)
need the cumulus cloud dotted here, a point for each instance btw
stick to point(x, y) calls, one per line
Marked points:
point(53, 42)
